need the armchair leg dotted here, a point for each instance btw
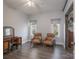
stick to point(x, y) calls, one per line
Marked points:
point(31, 44)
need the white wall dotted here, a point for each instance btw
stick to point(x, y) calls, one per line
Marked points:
point(44, 24)
point(17, 20)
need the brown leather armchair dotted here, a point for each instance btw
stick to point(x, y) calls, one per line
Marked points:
point(37, 38)
point(49, 40)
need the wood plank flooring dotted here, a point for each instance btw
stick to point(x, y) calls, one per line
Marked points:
point(39, 52)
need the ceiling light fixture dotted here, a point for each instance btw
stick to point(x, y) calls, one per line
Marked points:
point(30, 3)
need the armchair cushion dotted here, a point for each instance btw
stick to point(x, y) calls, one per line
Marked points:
point(36, 41)
point(38, 37)
point(48, 42)
point(49, 38)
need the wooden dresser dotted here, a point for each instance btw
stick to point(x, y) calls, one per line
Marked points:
point(9, 42)
point(6, 44)
point(9, 39)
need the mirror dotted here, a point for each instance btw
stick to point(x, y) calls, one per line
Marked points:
point(8, 31)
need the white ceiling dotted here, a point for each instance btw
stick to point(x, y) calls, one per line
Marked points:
point(40, 6)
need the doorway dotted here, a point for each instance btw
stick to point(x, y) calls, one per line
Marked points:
point(69, 27)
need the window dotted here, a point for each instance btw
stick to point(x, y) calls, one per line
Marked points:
point(33, 27)
point(56, 29)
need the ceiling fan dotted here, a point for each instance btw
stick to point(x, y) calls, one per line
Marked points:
point(29, 3)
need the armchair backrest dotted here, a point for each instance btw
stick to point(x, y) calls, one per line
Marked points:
point(50, 35)
point(38, 34)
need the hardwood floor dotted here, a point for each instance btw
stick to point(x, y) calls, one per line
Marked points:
point(39, 52)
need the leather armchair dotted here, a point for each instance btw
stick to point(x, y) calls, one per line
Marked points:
point(49, 40)
point(37, 38)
